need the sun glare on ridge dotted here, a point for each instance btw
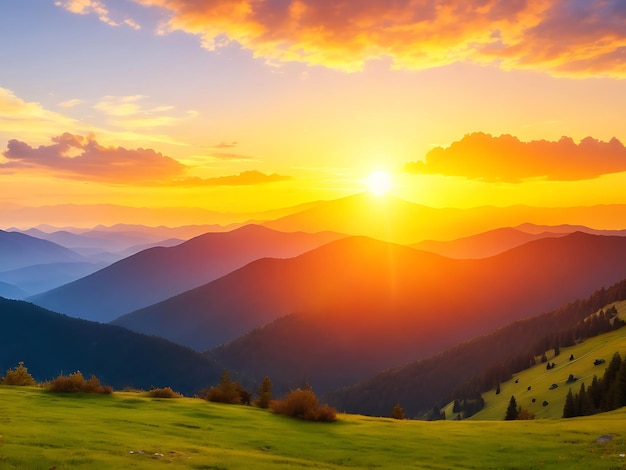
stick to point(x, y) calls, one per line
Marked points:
point(379, 182)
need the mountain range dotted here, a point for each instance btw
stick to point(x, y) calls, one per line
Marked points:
point(156, 274)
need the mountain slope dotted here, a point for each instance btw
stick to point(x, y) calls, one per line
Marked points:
point(158, 273)
point(50, 343)
point(430, 307)
point(18, 250)
point(484, 244)
point(353, 307)
point(419, 385)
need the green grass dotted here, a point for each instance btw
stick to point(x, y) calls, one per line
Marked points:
point(40, 430)
point(540, 379)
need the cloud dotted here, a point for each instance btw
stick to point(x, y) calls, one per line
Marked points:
point(507, 159)
point(246, 178)
point(19, 116)
point(70, 103)
point(225, 145)
point(560, 36)
point(128, 113)
point(86, 7)
point(76, 157)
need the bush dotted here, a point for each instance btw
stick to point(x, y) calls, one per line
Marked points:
point(18, 376)
point(226, 392)
point(165, 392)
point(303, 404)
point(397, 412)
point(76, 383)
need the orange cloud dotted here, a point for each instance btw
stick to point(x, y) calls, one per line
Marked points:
point(560, 36)
point(507, 159)
point(76, 157)
point(246, 178)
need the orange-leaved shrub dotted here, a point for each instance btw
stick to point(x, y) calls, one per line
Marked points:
point(18, 376)
point(76, 383)
point(303, 404)
point(165, 392)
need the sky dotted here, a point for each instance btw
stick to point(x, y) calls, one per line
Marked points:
point(251, 105)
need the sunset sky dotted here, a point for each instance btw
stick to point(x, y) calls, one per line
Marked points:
point(249, 105)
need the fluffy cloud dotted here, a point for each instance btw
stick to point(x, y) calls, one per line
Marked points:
point(76, 157)
point(561, 36)
point(507, 159)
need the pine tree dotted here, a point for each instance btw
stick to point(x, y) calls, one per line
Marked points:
point(18, 376)
point(569, 409)
point(512, 411)
point(265, 393)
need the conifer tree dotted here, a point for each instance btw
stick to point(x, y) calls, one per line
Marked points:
point(569, 409)
point(265, 393)
point(512, 411)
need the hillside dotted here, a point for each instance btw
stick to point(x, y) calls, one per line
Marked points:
point(18, 250)
point(471, 367)
point(129, 430)
point(50, 344)
point(540, 380)
point(158, 273)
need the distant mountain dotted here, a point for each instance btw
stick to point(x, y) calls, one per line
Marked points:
point(356, 306)
point(155, 274)
point(483, 244)
point(11, 292)
point(50, 344)
point(43, 277)
point(392, 219)
point(18, 250)
point(566, 228)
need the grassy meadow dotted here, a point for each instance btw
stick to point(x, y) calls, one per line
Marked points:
point(41, 430)
point(540, 380)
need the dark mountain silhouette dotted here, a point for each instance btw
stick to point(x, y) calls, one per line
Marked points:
point(388, 305)
point(391, 219)
point(483, 244)
point(473, 367)
point(18, 250)
point(158, 273)
point(50, 344)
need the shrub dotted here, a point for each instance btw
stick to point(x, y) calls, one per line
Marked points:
point(303, 404)
point(165, 392)
point(18, 376)
point(397, 412)
point(76, 383)
point(226, 392)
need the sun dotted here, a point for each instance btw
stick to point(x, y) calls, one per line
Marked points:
point(379, 182)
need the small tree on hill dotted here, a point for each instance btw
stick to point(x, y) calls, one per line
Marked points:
point(265, 393)
point(18, 376)
point(512, 412)
point(397, 412)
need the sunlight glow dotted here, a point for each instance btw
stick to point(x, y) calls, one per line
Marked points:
point(379, 182)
